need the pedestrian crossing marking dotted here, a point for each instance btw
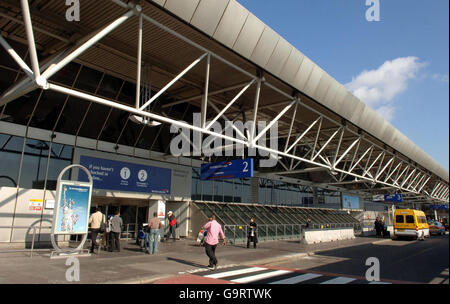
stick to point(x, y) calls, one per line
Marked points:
point(298, 279)
point(261, 276)
point(234, 272)
point(272, 275)
point(339, 280)
point(196, 270)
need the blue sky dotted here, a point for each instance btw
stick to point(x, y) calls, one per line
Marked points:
point(398, 65)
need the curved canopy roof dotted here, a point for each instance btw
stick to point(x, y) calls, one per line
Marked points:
point(235, 27)
point(335, 132)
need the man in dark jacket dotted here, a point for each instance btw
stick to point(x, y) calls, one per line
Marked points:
point(116, 229)
point(172, 226)
point(252, 233)
point(377, 227)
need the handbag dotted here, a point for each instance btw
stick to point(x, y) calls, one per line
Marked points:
point(103, 225)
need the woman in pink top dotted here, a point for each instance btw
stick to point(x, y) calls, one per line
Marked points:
point(211, 241)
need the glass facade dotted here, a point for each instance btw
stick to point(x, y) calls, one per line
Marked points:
point(238, 191)
point(30, 163)
point(36, 164)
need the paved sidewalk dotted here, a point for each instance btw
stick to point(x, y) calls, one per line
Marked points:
point(133, 266)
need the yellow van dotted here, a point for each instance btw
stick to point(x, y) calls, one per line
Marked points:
point(411, 223)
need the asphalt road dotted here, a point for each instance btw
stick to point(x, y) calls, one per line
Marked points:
point(401, 260)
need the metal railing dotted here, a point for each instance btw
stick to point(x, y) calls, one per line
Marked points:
point(238, 233)
point(33, 239)
point(271, 232)
point(128, 233)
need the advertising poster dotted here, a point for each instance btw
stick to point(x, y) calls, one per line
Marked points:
point(350, 202)
point(161, 209)
point(72, 210)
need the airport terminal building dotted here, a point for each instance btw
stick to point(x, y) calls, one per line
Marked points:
point(115, 91)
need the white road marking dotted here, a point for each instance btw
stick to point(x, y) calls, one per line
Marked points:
point(298, 279)
point(261, 276)
point(437, 280)
point(234, 272)
point(207, 269)
point(339, 280)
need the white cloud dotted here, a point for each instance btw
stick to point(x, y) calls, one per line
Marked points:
point(441, 78)
point(379, 87)
point(387, 112)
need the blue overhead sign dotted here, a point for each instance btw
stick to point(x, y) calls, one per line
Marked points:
point(438, 207)
point(115, 175)
point(241, 168)
point(393, 198)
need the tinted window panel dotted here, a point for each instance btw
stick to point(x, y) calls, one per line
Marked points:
point(410, 219)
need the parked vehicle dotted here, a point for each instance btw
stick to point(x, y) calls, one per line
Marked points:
point(410, 223)
point(445, 223)
point(436, 228)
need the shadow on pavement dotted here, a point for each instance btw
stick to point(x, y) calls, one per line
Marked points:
point(193, 264)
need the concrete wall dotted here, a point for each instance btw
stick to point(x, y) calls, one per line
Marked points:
point(181, 211)
point(15, 211)
point(196, 220)
point(329, 235)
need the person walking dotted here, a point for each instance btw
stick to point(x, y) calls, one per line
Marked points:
point(154, 226)
point(252, 233)
point(172, 226)
point(96, 221)
point(211, 240)
point(116, 229)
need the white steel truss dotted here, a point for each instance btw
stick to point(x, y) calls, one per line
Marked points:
point(320, 143)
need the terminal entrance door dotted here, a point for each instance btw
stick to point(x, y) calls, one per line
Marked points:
point(133, 212)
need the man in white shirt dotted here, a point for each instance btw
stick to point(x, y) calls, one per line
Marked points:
point(95, 221)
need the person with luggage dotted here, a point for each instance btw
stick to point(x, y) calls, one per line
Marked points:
point(142, 236)
point(97, 224)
